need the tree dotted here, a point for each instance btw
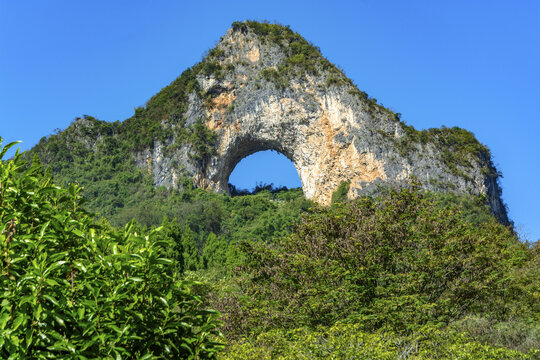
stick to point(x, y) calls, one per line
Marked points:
point(190, 253)
point(215, 251)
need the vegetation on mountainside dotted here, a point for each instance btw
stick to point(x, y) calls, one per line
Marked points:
point(457, 146)
point(97, 155)
point(72, 289)
point(340, 195)
point(400, 267)
point(301, 57)
point(203, 141)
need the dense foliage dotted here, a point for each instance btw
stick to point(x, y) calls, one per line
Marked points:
point(71, 289)
point(406, 274)
point(397, 265)
point(349, 341)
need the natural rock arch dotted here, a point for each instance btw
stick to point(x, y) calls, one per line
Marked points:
point(248, 148)
point(264, 87)
point(317, 143)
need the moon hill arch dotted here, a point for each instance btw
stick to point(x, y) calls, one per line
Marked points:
point(264, 87)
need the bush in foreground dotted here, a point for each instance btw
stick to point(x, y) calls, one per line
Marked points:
point(70, 289)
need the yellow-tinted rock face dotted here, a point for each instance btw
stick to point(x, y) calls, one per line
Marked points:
point(337, 162)
point(309, 141)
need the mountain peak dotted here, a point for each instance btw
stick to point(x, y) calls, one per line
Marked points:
point(264, 87)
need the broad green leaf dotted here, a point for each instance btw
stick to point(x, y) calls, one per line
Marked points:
point(43, 229)
point(51, 299)
point(80, 312)
point(17, 322)
point(7, 147)
point(54, 266)
point(59, 320)
point(4, 318)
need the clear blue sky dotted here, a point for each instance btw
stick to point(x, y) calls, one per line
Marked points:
point(473, 64)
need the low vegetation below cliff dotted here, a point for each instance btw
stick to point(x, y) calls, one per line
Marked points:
point(407, 274)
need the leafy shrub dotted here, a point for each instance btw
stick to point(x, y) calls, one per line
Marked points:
point(272, 75)
point(215, 251)
point(70, 289)
point(209, 67)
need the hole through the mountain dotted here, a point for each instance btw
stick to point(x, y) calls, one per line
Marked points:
point(267, 169)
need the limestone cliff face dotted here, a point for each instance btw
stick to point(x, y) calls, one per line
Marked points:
point(275, 91)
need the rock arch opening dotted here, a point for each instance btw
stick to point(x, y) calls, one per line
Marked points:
point(262, 168)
